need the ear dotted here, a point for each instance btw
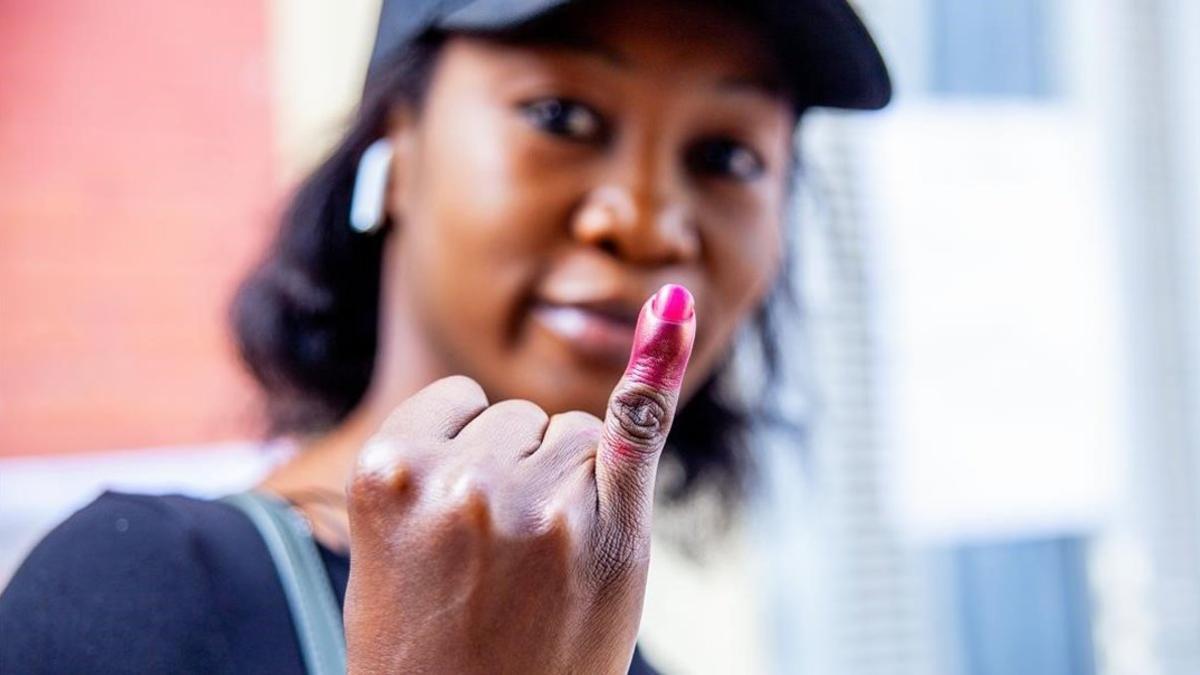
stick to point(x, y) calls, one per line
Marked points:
point(402, 133)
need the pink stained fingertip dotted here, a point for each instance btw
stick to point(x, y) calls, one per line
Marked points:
point(673, 303)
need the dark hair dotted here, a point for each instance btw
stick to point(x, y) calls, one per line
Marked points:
point(306, 317)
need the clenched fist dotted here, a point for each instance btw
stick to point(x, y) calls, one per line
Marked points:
point(499, 539)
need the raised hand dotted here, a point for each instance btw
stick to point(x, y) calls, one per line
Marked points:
point(497, 538)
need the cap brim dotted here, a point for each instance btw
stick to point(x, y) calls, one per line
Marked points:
point(833, 58)
point(830, 57)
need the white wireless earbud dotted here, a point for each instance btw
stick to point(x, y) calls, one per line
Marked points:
point(370, 187)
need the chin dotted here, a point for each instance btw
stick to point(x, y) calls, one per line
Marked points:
point(594, 401)
point(555, 374)
point(561, 387)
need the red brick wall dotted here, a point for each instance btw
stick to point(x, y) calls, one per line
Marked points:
point(135, 185)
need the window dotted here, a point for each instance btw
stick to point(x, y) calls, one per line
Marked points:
point(1001, 48)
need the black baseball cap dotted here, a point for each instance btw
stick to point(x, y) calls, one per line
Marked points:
point(827, 53)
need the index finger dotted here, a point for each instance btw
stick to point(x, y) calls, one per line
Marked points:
point(439, 411)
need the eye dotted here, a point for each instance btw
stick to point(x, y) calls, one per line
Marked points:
point(564, 117)
point(725, 158)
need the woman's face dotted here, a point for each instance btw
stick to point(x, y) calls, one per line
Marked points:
point(545, 192)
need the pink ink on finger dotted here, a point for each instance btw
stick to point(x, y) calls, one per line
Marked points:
point(662, 342)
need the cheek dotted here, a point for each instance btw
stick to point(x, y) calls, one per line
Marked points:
point(744, 263)
point(489, 184)
point(480, 226)
point(751, 269)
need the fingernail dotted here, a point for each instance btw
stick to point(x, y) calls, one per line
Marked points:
point(673, 303)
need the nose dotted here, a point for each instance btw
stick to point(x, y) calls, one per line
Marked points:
point(640, 218)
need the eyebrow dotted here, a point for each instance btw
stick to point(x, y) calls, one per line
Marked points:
point(762, 86)
point(583, 44)
point(589, 46)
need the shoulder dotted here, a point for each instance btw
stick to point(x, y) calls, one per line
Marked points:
point(124, 543)
point(126, 580)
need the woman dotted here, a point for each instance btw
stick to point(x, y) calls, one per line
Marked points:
point(445, 324)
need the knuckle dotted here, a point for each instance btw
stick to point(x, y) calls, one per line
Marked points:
point(376, 456)
point(615, 559)
point(457, 383)
point(465, 485)
point(371, 494)
point(476, 511)
point(575, 429)
point(640, 415)
point(570, 433)
point(576, 419)
point(522, 409)
point(433, 409)
point(461, 386)
point(470, 502)
point(553, 525)
point(381, 467)
point(459, 391)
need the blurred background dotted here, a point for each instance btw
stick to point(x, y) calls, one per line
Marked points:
point(1000, 355)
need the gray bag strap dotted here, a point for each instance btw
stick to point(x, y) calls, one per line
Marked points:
point(305, 582)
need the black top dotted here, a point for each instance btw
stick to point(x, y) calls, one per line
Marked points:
point(139, 583)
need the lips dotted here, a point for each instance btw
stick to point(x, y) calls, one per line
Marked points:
point(601, 330)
